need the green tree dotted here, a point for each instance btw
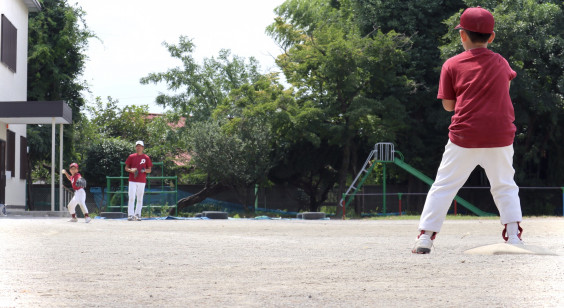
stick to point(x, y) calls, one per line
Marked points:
point(199, 88)
point(349, 78)
point(425, 129)
point(300, 157)
point(110, 126)
point(57, 40)
point(103, 159)
point(234, 155)
point(128, 123)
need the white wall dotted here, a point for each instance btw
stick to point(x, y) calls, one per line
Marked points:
point(13, 87)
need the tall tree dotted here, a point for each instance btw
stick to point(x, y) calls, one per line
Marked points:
point(233, 152)
point(352, 79)
point(422, 21)
point(234, 155)
point(199, 88)
point(58, 37)
point(298, 156)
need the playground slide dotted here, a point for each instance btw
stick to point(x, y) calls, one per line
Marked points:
point(429, 181)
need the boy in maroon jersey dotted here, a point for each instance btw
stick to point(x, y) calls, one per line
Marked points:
point(79, 193)
point(138, 165)
point(475, 85)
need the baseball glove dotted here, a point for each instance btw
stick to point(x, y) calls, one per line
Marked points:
point(81, 182)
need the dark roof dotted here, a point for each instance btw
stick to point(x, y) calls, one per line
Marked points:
point(35, 112)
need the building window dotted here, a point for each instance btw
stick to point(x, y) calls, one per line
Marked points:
point(9, 48)
point(23, 158)
point(11, 152)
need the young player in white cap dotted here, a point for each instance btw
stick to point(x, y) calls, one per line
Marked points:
point(475, 85)
point(79, 197)
point(138, 165)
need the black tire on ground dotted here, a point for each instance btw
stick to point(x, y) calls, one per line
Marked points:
point(198, 215)
point(113, 215)
point(299, 216)
point(215, 215)
point(313, 215)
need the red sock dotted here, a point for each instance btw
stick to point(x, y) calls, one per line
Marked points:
point(73, 215)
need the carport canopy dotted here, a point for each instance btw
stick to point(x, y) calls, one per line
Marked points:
point(41, 112)
point(35, 112)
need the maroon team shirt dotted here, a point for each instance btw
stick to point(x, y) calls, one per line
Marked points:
point(140, 162)
point(478, 79)
point(73, 180)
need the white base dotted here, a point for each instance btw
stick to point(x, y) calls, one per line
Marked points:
point(503, 248)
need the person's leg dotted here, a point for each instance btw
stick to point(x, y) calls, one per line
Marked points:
point(72, 208)
point(455, 168)
point(505, 192)
point(131, 202)
point(80, 195)
point(81, 198)
point(140, 194)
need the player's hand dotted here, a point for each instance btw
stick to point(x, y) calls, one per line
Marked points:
point(64, 171)
point(132, 170)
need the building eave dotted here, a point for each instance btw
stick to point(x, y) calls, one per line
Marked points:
point(33, 5)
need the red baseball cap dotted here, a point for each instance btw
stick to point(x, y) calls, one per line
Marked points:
point(73, 165)
point(477, 19)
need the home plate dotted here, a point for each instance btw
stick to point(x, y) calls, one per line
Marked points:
point(504, 249)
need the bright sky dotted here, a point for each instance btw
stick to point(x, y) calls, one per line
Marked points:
point(131, 34)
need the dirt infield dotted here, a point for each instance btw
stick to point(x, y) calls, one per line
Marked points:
point(272, 263)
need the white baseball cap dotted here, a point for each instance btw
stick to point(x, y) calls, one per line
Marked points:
point(140, 143)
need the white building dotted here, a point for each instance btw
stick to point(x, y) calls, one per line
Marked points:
point(15, 111)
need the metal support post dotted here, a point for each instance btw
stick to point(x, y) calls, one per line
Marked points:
point(384, 190)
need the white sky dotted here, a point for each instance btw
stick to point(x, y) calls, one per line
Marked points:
point(131, 35)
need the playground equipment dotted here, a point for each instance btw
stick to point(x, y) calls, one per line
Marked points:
point(384, 152)
point(168, 186)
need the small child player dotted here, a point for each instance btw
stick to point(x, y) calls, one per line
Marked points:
point(79, 197)
point(475, 85)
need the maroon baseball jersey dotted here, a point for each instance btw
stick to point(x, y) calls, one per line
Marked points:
point(73, 180)
point(140, 162)
point(478, 79)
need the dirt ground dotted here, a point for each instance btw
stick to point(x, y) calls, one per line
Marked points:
point(50, 262)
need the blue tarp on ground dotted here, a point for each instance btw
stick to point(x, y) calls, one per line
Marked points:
point(206, 218)
point(159, 218)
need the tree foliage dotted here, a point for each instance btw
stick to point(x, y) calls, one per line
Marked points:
point(349, 81)
point(127, 123)
point(110, 126)
point(103, 159)
point(426, 123)
point(232, 151)
point(199, 88)
point(57, 40)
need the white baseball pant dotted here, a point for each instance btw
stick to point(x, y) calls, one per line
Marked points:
point(80, 199)
point(136, 190)
point(456, 165)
